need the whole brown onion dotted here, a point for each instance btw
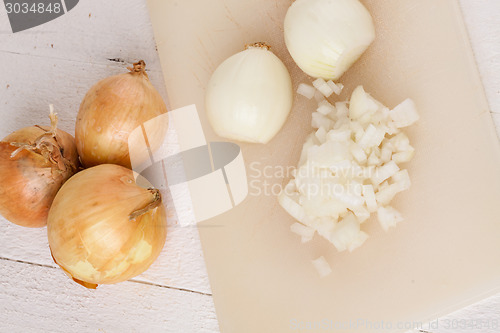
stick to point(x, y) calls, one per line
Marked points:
point(103, 228)
point(111, 110)
point(34, 163)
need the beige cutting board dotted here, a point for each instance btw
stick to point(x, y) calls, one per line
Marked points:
point(445, 254)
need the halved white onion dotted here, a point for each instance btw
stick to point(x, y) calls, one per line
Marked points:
point(325, 37)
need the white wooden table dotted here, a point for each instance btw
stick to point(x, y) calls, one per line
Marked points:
point(56, 63)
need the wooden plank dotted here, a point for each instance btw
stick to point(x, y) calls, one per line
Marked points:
point(481, 317)
point(496, 120)
point(180, 264)
point(483, 31)
point(43, 299)
point(28, 84)
point(93, 32)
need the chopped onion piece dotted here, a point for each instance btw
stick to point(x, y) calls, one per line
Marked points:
point(373, 159)
point(345, 232)
point(368, 136)
point(361, 213)
point(376, 151)
point(384, 172)
point(384, 196)
point(323, 87)
point(355, 187)
point(321, 134)
point(336, 88)
point(387, 144)
point(402, 180)
point(392, 129)
point(370, 199)
point(401, 142)
point(383, 185)
point(360, 240)
point(372, 137)
point(405, 114)
point(328, 154)
point(302, 230)
point(325, 108)
point(322, 266)
point(404, 156)
point(291, 187)
point(292, 207)
point(319, 120)
point(361, 103)
point(339, 135)
point(341, 166)
point(304, 239)
point(388, 217)
point(342, 109)
point(358, 130)
point(305, 148)
point(341, 124)
point(306, 90)
point(350, 199)
point(358, 153)
point(385, 155)
point(319, 97)
point(324, 226)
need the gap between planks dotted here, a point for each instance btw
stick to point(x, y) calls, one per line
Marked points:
point(132, 280)
point(119, 62)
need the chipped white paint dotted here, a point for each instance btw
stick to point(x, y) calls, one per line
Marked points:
point(57, 63)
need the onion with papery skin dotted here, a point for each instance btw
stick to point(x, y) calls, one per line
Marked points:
point(111, 110)
point(103, 228)
point(325, 37)
point(34, 163)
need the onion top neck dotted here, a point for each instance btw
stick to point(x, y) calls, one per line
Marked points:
point(47, 146)
point(138, 68)
point(152, 205)
point(262, 45)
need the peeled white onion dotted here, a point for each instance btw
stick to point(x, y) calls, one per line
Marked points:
point(103, 228)
point(249, 96)
point(325, 37)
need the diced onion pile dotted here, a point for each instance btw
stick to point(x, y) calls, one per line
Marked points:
point(349, 167)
